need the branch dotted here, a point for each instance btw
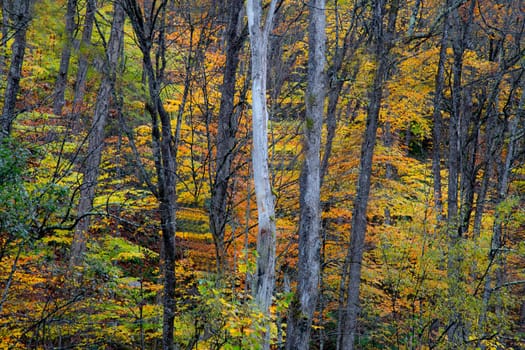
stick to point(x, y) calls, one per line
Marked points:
point(508, 284)
point(10, 278)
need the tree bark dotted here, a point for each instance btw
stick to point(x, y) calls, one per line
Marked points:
point(265, 278)
point(226, 133)
point(61, 81)
point(20, 18)
point(383, 38)
point(494, 138)
point(437, 130)
point(336, 78)
point(5, 34)
point(502, 192)
point(459, 31)
point(305, 300)
point(83, 61)
point(96, 136)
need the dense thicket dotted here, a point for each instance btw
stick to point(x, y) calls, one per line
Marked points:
point(271, 174)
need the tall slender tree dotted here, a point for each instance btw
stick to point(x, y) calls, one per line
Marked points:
point(437, 130)
point(383, 38)
point(61, 81)
point(458, 116)
point(20, 17)
point(4, 4)
point(149, 28)
point(494, 280)
point(83, 56)
point(259, 32)
point(91, 164)
point(226, 131)
point(305, 300)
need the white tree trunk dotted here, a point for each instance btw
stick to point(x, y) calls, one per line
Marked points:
point(305, 300)
point(265, 278)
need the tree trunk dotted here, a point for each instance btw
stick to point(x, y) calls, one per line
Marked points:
point(469, 153)
point(20, 18)
point(162, 144)
point(383, 39)
point(96, 136)
point(502, 193)
point(83, 61)
point(493, 136)
point(305, 300)
point(61, 82)
point(437, 130)
point(226, 133)
point(459, 31)
point(336, 78)
point(265, 278)
point(5, 34)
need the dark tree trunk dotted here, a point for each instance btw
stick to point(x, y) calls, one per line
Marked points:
point(336, 78)
point(305, 300)
point(383, 38)
point(61, 82)
point(5, 34)
point(452, 201)
point(20, 18)
point(437, 130)
point(469, 153)
point(149, 24)
point(456, 166)
point(96, 136)
point(497, 241)
point(83, 60)
point(493, 137)
point(226, 133)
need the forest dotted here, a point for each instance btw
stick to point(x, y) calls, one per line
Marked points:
point(262, 174)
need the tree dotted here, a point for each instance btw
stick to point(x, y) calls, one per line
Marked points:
point(458, 117)
point(83, 56)
point(95, 140)
point(20, 18)
point(437, 131)
point(305, 299)
point(61, 81)
point(265, 275)
point(383, 40)
point(5, 33)
point(226, 132)
point(496, 252)
point(149, 26)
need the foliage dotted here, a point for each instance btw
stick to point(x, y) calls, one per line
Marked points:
point(112, 300)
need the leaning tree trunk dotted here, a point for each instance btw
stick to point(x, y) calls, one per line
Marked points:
point(96, 136)
point(21, 16)
point(226, 133)
point(383, 39)
point(147, 28)
point(265, 278)
point(61, 82)
point(305, 300)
